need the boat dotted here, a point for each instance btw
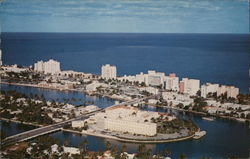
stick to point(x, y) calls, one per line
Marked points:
point(208, 118)
point(199, 134)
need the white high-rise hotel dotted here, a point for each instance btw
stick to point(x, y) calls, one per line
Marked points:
point(189, 86)
point(1, 58)
point(50, 66)
point(108, 71)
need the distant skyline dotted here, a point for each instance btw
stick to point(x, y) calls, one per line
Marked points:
point(135, 16)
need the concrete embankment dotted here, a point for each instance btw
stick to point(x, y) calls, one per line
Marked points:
point(129, 140)
point(201, 113)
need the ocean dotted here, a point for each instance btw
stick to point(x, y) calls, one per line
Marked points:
point(216, 58)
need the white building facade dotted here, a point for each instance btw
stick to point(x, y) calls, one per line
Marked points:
point(109, 71)
point(131, 120)
point(172, 83)
point(48, 67)
point(1, 62)
point(155, 78)
point(130, 126)
point(231, 91)
point(208, 88)
point(190, 86)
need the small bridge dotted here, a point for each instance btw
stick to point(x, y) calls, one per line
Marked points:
point(55, 127)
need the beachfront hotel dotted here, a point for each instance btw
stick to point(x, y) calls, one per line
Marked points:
point(48, 67)
point(230, 91)
point(172, 82)
point(189, 86)
point(1, 58)
point(208, 88)
point(108, 71)
point(152, 78)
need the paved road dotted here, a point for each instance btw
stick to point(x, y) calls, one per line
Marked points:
point(55, 127)
point(41, 131)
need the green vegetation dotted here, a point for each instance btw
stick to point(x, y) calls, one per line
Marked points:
point(25, 110)
point(199, 104)
point(165, 126)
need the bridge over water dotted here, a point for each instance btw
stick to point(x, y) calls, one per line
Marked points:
point(55, 127)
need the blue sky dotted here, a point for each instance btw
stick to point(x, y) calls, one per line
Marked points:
point(142, 16)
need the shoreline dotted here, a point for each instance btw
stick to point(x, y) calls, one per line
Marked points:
point(107, 96)
point(107, 136)
point(128, 140)
point(59, 89)
point(20, 122)
point(202, 113)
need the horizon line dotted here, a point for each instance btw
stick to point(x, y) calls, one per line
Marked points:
point(123, 32)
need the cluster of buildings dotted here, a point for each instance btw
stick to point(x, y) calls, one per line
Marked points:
point(47, 67)
point(125, 119)
point(210, 88)
point(14, 68)
point(172, 82)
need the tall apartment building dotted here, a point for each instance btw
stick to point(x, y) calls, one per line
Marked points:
point(231, 91)
point(1, 62)
point(172, 82)
point(155, 78)
point(50, 66)
point(109, 71)
point(189, 86)
point(208, 88)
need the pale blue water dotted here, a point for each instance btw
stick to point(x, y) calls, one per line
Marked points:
point(224, 138)
point(218, 58)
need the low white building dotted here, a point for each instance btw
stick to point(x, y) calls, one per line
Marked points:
point(151, 90)
point(131, 120)
point(123, 125)
point(71, 150)
point(13, 68)
point(155, 78)
point(94, 85)
point(77, 124)
point(152, 101)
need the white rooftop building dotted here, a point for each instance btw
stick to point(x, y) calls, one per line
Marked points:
point(172, 82)
point(189, 86)
point(1, 62)
point(128, 119)
point(50, 66)
point(155, 78)
point(208, 88)
point(109, 71)
point(231, 91)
